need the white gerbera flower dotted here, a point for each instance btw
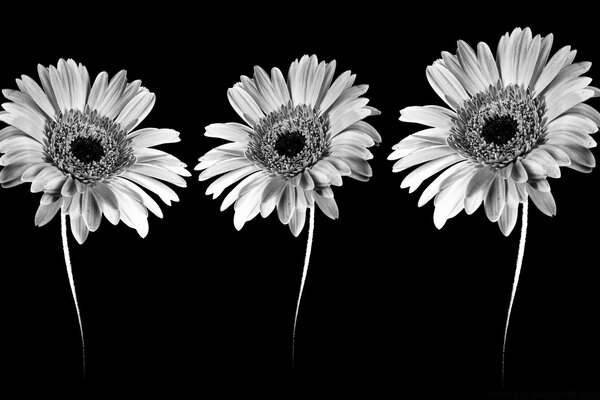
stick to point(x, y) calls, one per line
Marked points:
point(302, 137)
point(76, 143)
point(513, 122)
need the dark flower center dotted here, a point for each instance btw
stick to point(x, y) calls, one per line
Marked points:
point(499, 129)
point(290, 144)
point(87, 149)
point(289, 140)
point(499, 125)
point(88, 146)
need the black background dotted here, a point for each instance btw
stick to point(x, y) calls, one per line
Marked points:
point(386, 291)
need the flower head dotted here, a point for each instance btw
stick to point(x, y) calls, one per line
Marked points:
point(302, 136)
point(76, 143)
point(513, 122)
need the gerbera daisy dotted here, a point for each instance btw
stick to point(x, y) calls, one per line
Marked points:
point(76, 144)
point(513, 122)
point(302, 136)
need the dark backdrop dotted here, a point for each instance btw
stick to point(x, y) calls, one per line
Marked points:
point(386, 291)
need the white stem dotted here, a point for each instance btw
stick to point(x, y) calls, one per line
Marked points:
point(63, 230)
point(516, 279)
point(311, 230)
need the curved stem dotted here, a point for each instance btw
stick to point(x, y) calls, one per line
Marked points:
point(516, 279)
point(311, 230)
point(63, 230)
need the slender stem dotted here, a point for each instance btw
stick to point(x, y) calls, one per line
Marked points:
point(311, 230)
point(516, 279)
point(63, 230)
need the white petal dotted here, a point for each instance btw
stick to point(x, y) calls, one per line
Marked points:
point(547, 162)
point(495, 199)
point(60, 88)
point(98, 91)
point(421, 156)
point(315, 81)
point(223, 167)
point(133, 213)
point(528, 57)
point(20, 142)
point(586, 111)
point(327, 205)
point(450, 201)
point(158, 173)
point(264, 85)
point(77, 86)
point(508, 58)
point(558, 92)
point(246, 184)
point(354, 138)
point(425, 171)
point(478, 187)
point(108, 202)
point(567, 74)
point(230, 131)
point(437, 117)
point(287, 204)
point(78, 227)
point(544, 201)
point(512, 193)
point(554, 66)
point(572, 122)
point(307, 182)
point(325, 86)
point(280, 87)
point(561, 158)
point(90, 211)
point(487, 64)
point(271, 195)
point(545, 46)
point(147, 201)
point(44, 177)
point(44, 75)
point(451, 63)
point(454, 172)
point(111, 96)
point(336, 89)
point(30, 173)
point(248, 205)
point(534, 170)
point(163, 191)
point(297, 221)
point(366, 128)
point(328, 169)
point(46, 212)
point(136, 110)
point(297, 80)
point(11, 174)
point(228, 179)
point(508, 219)
point(518, 173)
point(564, 103)
point(339, 164)
point(28, 126)
point(350, 150)
point(339, 123)
point(244, 105)
point(446, 86)
point(29, 86)
point(470, 65)
point(149, 137)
